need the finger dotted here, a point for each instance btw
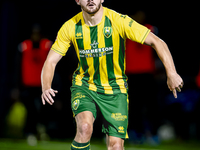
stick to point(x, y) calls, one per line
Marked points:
point(43, 101)
point(182, 83)
point(178, 89)
point(169, 88)
point(174, 93)
point(55, 91)
point(52, 92)
point(47, 99)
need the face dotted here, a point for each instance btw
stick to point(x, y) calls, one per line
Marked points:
point(90, 6)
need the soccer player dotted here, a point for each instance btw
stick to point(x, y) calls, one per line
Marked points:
point(98, 35)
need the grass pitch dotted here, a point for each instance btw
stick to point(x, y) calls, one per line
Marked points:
point(9, 144)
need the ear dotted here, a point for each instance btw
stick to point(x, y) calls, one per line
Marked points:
point(78, 2)
point(102, 1)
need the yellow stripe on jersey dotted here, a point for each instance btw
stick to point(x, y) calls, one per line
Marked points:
point(79, 77)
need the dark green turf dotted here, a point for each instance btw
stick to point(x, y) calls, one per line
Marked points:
point(8, 144)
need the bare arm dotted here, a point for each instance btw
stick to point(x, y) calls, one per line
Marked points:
point(47, 77)
point(174, 81)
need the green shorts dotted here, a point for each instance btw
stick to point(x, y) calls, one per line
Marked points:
point(114, 109)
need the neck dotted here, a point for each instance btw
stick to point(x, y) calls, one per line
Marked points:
point(93, 19)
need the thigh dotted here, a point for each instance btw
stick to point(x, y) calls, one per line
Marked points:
point(82, 101)
point(84, 117)
point(115, 112)
point(84, 123)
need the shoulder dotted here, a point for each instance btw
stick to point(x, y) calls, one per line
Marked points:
point(68, 28)
point(117, 19)
point(112, 15)
point(74, 20)
point(115, 16)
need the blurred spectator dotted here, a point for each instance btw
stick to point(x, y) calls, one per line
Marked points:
point(33, 54)
point(16, 117)
point(140, 70)
point(140, 58)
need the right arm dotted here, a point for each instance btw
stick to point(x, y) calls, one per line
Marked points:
point(58, 49)
point(47, 77)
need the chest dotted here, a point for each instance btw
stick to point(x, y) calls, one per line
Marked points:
point(96, 41)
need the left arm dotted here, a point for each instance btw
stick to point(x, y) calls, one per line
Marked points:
point(174, 81)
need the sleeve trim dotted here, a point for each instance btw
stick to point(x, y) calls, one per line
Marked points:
point(145, 36)
point(57, 51)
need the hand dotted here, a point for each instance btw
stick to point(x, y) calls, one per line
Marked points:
point(174, 83)
point(47, 96)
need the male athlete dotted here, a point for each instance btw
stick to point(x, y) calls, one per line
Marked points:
point(98, 35)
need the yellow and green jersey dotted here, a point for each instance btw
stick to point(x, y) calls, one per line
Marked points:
point(100, 50)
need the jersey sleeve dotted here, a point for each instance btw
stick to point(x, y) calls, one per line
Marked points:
point(133, 30)
point(63, 40)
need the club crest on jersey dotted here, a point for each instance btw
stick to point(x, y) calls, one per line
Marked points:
point(107, 31)
point(75, 104)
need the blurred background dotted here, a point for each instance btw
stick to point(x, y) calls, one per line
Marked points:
point(27, 31)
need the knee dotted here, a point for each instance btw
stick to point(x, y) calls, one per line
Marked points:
point(115, 145)
point(85, 129)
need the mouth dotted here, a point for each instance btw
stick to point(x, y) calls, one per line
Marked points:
point(90, 4)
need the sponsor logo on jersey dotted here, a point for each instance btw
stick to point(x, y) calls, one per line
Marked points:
point(94, 44)
point(118, 116)
point(98, 52)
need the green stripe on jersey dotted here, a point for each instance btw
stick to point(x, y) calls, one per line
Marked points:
point(122, 58)
point(109, 58)
point(94, 45)
point(83, 61)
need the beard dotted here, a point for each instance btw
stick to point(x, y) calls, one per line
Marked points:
point(93, 10)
